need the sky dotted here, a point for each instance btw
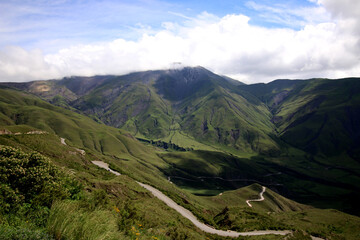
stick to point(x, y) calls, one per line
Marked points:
point(251, 41)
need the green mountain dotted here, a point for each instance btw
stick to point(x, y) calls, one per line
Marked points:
point(320, 116)
point(200, 135)
point(191, 107)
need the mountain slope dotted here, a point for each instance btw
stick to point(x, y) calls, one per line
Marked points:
point(319, 116)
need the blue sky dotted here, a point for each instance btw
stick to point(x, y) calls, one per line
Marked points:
point(43, 39)
point(51, 25)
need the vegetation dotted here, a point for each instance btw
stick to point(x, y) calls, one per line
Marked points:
point(30, 184)
point(117, 207)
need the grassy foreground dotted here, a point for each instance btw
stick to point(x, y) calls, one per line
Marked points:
point(105, 206)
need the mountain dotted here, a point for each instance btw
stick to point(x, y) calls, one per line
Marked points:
point(99, 204)
point(185, 106)
point(319, 116)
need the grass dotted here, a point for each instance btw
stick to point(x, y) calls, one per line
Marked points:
point(71, 221)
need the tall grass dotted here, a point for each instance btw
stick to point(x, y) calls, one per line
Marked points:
point(70, 220)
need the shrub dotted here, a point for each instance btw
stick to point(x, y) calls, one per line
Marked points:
point(29, 178)
point(29, 185)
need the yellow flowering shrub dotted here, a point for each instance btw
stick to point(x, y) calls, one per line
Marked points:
point(29, 178)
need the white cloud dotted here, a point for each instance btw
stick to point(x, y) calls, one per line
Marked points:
point(228, 45)
point(343, 9)
point(346, 13)
point(17, 64)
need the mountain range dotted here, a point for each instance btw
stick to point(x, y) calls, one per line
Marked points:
point(208, 134)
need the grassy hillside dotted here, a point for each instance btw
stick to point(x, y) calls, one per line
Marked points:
point(226, 120)
point(19, 108)
point(136, 108)
point(327, 122)
point(105, 207)
point(116, 207)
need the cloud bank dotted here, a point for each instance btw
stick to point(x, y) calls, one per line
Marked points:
point(327, 47)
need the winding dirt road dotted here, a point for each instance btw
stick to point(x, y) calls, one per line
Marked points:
point(259, 199)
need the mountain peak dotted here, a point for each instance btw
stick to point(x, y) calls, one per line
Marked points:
point(188, 74)
point(178, 84)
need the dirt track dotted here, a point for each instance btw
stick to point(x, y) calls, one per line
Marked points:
point(259, 199)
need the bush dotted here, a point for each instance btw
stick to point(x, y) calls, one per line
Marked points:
point(29, 178)
point(29, 184)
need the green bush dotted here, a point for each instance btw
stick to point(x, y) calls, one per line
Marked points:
point(29, 178)
point(29, 184)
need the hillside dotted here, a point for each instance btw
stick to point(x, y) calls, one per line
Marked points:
point(116, 207)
